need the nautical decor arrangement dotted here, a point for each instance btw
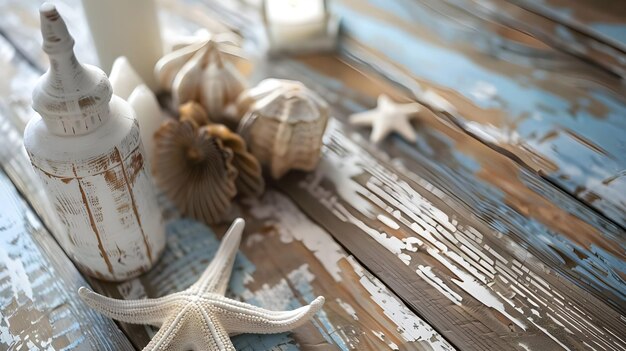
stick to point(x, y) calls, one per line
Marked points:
point(86, 147)
point(201, 317)
point(283, 125)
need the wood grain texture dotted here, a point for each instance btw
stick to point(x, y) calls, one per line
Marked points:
point(39, 305)
point(561, 239)
point(560, 116)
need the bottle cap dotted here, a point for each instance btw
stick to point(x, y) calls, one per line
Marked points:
point(72, 98)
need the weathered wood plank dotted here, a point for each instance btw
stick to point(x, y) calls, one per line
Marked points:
point(500, 295)
point(540, 226)
point(562, 121)
point(487, 184)
point(604, 19)
point(39, 304)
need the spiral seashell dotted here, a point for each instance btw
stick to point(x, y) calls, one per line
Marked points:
point(195, 170)
point(283, 125)
point(250, 181)
point(198, 72)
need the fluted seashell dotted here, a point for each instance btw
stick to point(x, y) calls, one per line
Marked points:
point(284, 125)
point(195, 170)
point(199, 72)
point(264, 88)
point(194, 112)
point(250, 181)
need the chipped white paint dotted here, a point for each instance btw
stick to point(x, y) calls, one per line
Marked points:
point(348, 308)
point(375, 191)
point(411, 327)
point(18, 279)
point(388, 221)
point(291, 225)
point(294, 225)
point(381, 336)
point(87, 150)
point(431, 278)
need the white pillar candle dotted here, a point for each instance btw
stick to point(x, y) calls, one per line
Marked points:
point(129, 86)
point(293, 21)
point(124, 79)
point(126, 28)
point(149, 116)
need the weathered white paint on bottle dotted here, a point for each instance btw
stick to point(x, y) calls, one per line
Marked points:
point(86, 148)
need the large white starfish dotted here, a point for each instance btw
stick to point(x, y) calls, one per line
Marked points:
point(388, 117)
point(201, 318)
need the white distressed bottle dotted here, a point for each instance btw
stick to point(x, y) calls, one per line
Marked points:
point(85, 146)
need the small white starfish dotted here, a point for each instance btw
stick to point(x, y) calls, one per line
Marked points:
point(388, 117)
point(201, 318)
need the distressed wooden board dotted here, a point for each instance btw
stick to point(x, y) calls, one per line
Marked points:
point(548, 222)
point(557, 117)
point(39, 304)
point(557, 31)
point(560, 240)
point(489, 291)
point(603, 19)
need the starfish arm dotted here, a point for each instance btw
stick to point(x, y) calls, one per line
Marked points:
point(215, 278)
point(238, 317)
point(363, 118)
point(169, 335)
point(214, 334)
point(409, 109)
point(405, 129)
point(148, 311)
point(380, 129)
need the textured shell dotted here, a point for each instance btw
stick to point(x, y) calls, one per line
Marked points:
point(250, 181)
point(195, 170)
point(193, 112)
point(283, 125)
point(199, 72)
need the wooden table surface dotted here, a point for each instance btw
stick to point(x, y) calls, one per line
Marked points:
point(501, 228)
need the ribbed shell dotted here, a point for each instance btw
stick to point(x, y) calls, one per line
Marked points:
point(195, 170)
point(250, 181)
point(198, 72)
point(283, 125)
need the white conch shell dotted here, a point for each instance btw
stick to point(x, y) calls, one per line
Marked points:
point(198, 72)
point(283, 125)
